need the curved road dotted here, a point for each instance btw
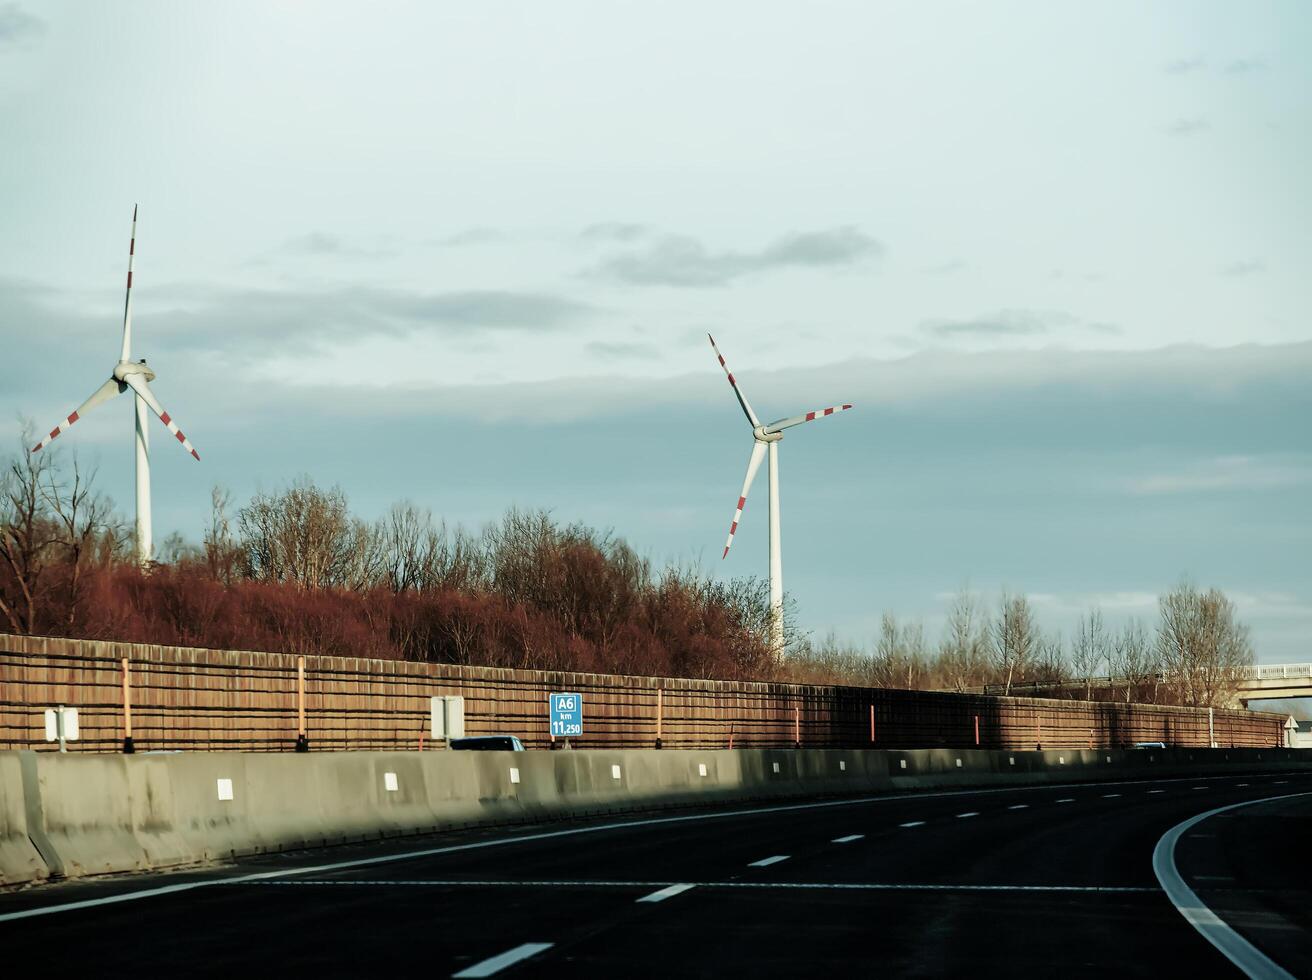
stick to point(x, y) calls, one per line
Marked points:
point(1040, 881)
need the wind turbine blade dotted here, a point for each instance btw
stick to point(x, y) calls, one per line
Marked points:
point(742, 399)
point(127, 302)
point(753, 464)
point(138, 384)
point(819, 413)
point(102, 394)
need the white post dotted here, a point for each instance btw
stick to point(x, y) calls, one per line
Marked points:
point(145, 546)
point(1211, 730)
point(776, 558)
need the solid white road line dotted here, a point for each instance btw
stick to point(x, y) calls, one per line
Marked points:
point(912, 823)
point(1238, 950)
point(665, 893)
point(848, 839)
point(766, 862)
point(146, 893)
point(878, 886)
point(498, 963)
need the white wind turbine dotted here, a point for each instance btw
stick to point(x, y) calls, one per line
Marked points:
point(767, 436)
point(135, 375)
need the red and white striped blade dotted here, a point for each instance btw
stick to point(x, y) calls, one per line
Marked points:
point(102, 394)
point(753, 464)
point(742, 399)
point(819, 413)
point(139, 385)
point(126, 351)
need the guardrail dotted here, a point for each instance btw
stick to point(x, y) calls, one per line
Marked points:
point(1263, 672)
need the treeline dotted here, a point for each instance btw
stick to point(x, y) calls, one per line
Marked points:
point(296, 571)
point(1195, 653)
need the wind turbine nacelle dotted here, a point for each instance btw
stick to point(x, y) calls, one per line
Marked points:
point(763, 434)
point(124, 368)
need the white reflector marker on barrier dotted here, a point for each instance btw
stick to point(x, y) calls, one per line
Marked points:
point(225, 789)
point(958, 763)
point(903, 762)
point(842, 765)
point(614, 772)
point(390, 783)
point(1011, 760)
point(776, 767)
point(701, 769)
point(514, 774)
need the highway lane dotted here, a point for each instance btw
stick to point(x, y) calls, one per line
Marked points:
point(1053, 880)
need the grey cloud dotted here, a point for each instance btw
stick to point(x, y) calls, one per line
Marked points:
point(1238, 270)
point(945, 268)
point(1184, 66)
point(614, 231)
point(1245, 66)
point(18, 26)
point(1190, 126)
point(1005, 323)
point(473, 236)
point(321, 243)
point(239, 325)
point(680, 260)
point(619, 351)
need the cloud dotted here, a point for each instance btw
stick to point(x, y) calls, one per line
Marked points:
point(1005, 323)
point(1245, 66)
point(473, 236)
point(17, 26)
point(614, 231)
point(1238, 270)
point(1185, 66)
point(1190, 126)
point(241, 324)
point(683, 261)
point(948, 268)
point(1227, 473)
point(615, 352)
point(320, 243)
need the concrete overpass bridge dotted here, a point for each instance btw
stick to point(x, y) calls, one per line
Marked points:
point(1276, 681)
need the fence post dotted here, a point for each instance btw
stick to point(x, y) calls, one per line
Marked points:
point(797, 727)
point(977, 731)
point(129, 746)
point(660, 704)
point(302, 737)
point(872, 724)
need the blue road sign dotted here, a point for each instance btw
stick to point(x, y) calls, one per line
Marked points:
point(566, 714)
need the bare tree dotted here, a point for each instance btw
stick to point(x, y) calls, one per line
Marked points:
point(1203, 648)
point(221, 551)
point(1134, 660)
point(82, 517)
point(963, 655)
point(27, 534)
point(1089, 650)
point(1015, 639)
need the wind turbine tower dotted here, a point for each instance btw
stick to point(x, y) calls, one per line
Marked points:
point(766, 438)
point(137, 376)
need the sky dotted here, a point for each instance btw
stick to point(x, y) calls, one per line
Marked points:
point(1055, 254)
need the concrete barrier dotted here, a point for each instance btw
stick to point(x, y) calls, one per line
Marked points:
point(20, 861)
point(70, 815)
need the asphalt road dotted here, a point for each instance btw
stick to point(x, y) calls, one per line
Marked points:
point(1057, 881)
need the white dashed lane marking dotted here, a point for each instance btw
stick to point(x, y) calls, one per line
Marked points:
point(1019, 806)
point(766, 862)
point(1068, 799)
point(912, 823)
point(971, 813)
point(1110, 796)
point(848, 839)
point(493, 966)
point(665, 893)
